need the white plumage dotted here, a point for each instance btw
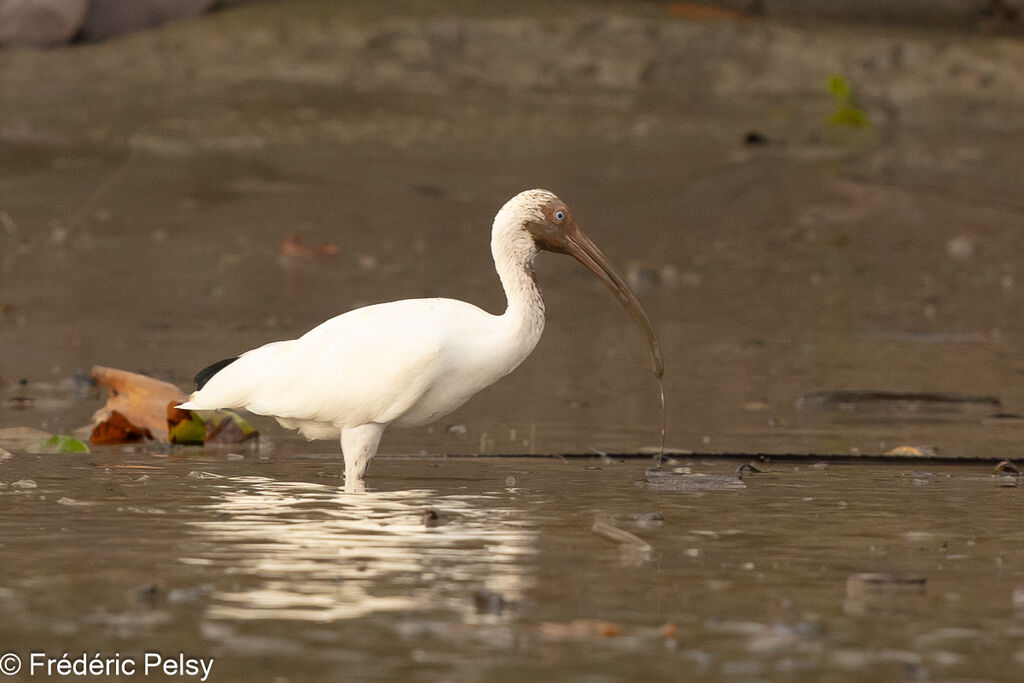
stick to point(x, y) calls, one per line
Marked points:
point(407, 363)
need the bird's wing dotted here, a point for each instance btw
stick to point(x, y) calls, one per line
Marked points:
point(368, 365)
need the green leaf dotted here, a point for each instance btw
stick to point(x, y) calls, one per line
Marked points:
point(185, 427)
point(847, 112)
point(838, 86)
point(60, 443)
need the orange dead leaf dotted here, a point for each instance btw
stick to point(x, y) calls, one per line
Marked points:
point(117, 429)
point(141, 400)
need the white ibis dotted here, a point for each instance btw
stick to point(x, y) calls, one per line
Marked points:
point(407, 363)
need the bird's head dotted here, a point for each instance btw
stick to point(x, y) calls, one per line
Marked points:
point(540, 220)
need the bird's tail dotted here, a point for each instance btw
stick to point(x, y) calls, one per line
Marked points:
point(207, 373)
point(201, 378)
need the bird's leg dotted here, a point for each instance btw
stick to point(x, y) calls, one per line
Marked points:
point(358, 445)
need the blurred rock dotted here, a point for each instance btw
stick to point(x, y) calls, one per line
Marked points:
point(110, 18)
point(40, 23)
point(20, 438)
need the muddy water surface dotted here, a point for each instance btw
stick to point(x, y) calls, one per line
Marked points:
point(146, 189)
point(259, 561)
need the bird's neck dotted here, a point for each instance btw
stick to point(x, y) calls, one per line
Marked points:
point(525, 311)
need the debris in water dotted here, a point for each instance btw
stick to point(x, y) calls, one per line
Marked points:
point(292, 247)
point(489, 602)
point(1001, 419)
point(660, 480)
point(926, 404)
point(197, 474)
point(591, 629)
point(579, 629)
point(71, 502)
point(1005, 467)
point(20, 438)
point(432, 518)
point(919, 451)
point(142, 401)
point(648, 519)
point(847, 112)
point(457, 429)
point(117, 429)
point(141, 407)
point(875, 583)
point(744, 469)
point(614, 534)
point(755, 137)
point(882, 591)
point(225, 426)
point(184, 427)
point(148, 594)
point(20, 402)
point(59, 443)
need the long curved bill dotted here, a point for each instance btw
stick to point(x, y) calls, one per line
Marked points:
point(587, 253)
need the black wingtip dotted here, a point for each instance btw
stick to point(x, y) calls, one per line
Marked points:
point(204, 375)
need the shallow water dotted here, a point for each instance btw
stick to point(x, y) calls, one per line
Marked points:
point(147, 188)
point(259, 561)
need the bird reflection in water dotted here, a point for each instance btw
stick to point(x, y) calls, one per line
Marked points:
point(306, 551)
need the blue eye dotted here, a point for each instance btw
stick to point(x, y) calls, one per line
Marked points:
point(559, 215)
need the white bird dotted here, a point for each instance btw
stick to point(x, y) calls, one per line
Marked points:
point(407, 363)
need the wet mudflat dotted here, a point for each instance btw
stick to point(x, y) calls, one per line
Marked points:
point(470, 568)
point(179, 196)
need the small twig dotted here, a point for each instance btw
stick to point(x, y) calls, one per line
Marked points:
point(614, 534)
